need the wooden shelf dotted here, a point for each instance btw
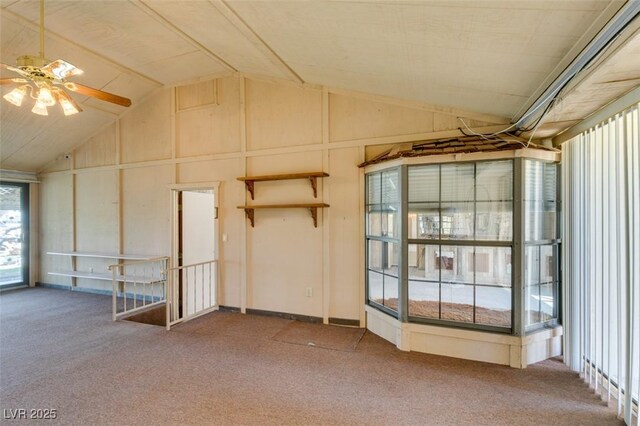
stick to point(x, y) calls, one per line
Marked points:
point(313, 209)
point(105, 276)
point(249, 181)
point(100, 255)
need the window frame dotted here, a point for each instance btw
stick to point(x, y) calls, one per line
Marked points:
point(516, 244)
point(26, 233)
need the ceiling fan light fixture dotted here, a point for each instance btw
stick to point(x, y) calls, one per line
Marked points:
point(44, 79)
point(40, 108)
point(45, 97)
point(16, 96)
point(69, 107)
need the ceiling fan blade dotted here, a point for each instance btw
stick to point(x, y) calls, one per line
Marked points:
point(4, 81)
point(14, 69)
point(61, 69)
point(98, 94)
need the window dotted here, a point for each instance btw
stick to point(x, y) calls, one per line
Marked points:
point(458, 221)
point(383, 248)
point(541, 243)
point(459, 204)
point(14, 234)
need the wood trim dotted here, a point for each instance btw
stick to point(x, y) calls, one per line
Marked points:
point(158, 17)
point(249, 181)
point(244, 237)
point(470, 156)
point(285, 206)
point(250, 34)
point(287, 176)
point(276, 151)
point(326, 213)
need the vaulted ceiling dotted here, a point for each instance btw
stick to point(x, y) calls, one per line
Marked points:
point(492, 57)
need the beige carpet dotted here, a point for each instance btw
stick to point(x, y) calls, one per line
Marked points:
point(321, 336)
point(60, 350)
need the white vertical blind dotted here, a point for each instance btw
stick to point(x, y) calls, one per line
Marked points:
point(601, 258)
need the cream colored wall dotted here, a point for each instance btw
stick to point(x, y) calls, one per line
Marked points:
point(114, 194)
point(56, 224)
point(96, 230)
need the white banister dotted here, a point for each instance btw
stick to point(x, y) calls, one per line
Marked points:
point(191, 291)
point(130, 277)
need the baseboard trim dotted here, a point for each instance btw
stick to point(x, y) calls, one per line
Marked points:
point(7, 288)
point(297, 317)
point(344, 321)
point(284, 315)
point(71, 288)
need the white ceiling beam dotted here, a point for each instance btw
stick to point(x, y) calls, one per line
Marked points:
point(143, 6)
point(10, 3)
point(249, 33)
point(19, 19)
point(592, 31)
point(607, 111)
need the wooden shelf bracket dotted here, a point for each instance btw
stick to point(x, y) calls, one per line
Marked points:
point(314, 185)
point(250, 215)
point(250, 187)
point(313, 209)
point(249, 181)
point(314, 215)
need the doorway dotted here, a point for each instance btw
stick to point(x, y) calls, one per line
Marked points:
point(195, 249)
point(14, 234)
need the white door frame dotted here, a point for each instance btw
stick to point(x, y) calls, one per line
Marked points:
point(174, 190)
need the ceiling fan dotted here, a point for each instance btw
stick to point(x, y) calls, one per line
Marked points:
point(45, 81)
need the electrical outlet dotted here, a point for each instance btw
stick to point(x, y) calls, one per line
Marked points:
point(224, 238)
point(308, 292)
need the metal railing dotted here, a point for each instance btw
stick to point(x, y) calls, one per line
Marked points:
point(191, 291)
point(138, 285)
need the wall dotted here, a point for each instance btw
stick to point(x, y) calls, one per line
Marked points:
point(113, 195)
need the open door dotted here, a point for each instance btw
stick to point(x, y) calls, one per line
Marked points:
point(195, 251)
point(198, 242)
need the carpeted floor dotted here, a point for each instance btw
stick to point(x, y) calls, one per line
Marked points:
point(60, 350)
point(335, 338)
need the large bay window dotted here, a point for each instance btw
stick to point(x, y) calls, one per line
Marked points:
point(442, 243)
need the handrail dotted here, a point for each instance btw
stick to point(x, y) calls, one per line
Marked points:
point(191, 291)
point(151, 280)
point(177, 268)
point(133, 262)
